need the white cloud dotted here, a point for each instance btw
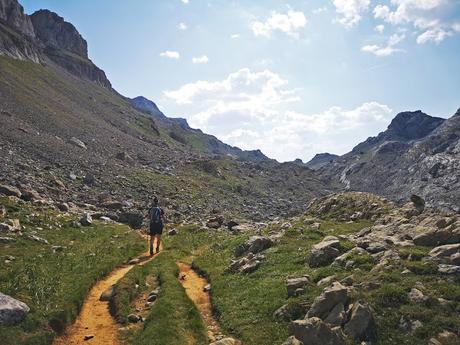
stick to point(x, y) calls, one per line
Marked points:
point(290, 23)
point(182, 26)
point(170, 54)
point(436, 35)
point(200, 59)
point(350, 11)
point(456, 27)
point(385, 50)
point(380, 28)
point(251, 110)
point(429, 18)
point(185, 1)
point(234, 36)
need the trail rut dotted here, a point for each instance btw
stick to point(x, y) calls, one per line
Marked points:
point(94, 318)
point(194, 286)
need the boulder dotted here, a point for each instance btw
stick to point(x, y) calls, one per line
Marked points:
point(342, 259)
point(173, 232)
point(444, 338)
point(324, 303)
point(133, 219)
point(295, 283)
point(78, 142)
point(63, 207)
point(448, 269)
point(107, 295)
point(314, 331)
point(226, 341)
point(86, 220)
point(417, 296)
point(12, 311)
point(15, 224)
point(361, 322)
point(254, 245)
point(436, 237)
point(112, 205)
point(337, 315)
point(215, 223)
point(30, 194)
point(325, 252)
point(10, 191)
point(445, 252)
point(292, 341)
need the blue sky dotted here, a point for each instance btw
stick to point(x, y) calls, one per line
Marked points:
point(291, 78)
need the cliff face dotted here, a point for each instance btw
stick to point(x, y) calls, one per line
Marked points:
point(417, 154)
point(17, 35)
point(12, 13)
point(45, 36)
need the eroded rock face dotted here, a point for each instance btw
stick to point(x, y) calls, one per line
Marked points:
point(12, 311)
point(13, 14)
point(53, 31)
point(314, 331)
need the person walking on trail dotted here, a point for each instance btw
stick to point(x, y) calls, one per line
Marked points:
point(157, 219)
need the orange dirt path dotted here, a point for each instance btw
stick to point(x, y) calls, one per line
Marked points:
point(194, 287)
point(94, 318)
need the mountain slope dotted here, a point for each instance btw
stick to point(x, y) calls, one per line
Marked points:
point(416, 154)
point(68, 135)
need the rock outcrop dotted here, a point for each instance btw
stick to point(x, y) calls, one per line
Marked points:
point(12, 311)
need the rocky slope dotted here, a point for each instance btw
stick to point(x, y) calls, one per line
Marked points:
point(69, 137)
point(416, 154)
point(320, 160)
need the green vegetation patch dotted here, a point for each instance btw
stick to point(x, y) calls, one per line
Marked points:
point(53, 281)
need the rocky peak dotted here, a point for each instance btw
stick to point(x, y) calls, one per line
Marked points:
point(320, 160)
point(412, 125)
point(12, 13)
point(145, 104)
point(54, 32)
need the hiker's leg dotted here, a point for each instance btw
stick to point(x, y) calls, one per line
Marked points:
point(158, 242)
point(152, 238)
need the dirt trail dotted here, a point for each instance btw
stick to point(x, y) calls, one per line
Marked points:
point(194, 287)
point(94, 318)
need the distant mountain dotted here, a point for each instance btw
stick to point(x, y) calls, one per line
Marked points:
point(417, 154)
point(148, 106)
point(320, 160)
point(179, 130)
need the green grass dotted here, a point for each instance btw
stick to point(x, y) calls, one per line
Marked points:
point(174, 319)
point(54, 284)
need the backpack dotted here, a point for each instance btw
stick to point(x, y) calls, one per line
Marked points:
point(155, 215)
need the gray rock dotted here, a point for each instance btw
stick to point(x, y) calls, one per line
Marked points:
point(292, 341)
point(12, 311)
point(417, 296)
point(436, 237)
point(86, 220)
point(448, 269)
point(443, 253)
point(314, 331)
point(254, 245)
point(78, 142)
point(226, 341)
point(361, 322)
point(108, 294)
point(295, 283)
point(325, 252)
point(324, 303)
point(37, 239)
point(10, 191)
point(337, 315)
point(133, 318)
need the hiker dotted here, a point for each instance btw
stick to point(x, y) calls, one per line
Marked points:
point(157, 219)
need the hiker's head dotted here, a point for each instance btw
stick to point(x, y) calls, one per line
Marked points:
point(155, 201)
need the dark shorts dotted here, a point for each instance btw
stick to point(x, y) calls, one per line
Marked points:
point(156, 229)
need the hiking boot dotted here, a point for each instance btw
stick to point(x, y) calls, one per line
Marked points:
point(158, 250)
point(151, 251)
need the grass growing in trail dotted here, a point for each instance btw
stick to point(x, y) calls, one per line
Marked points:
point(174, 319)
point(54, 283)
